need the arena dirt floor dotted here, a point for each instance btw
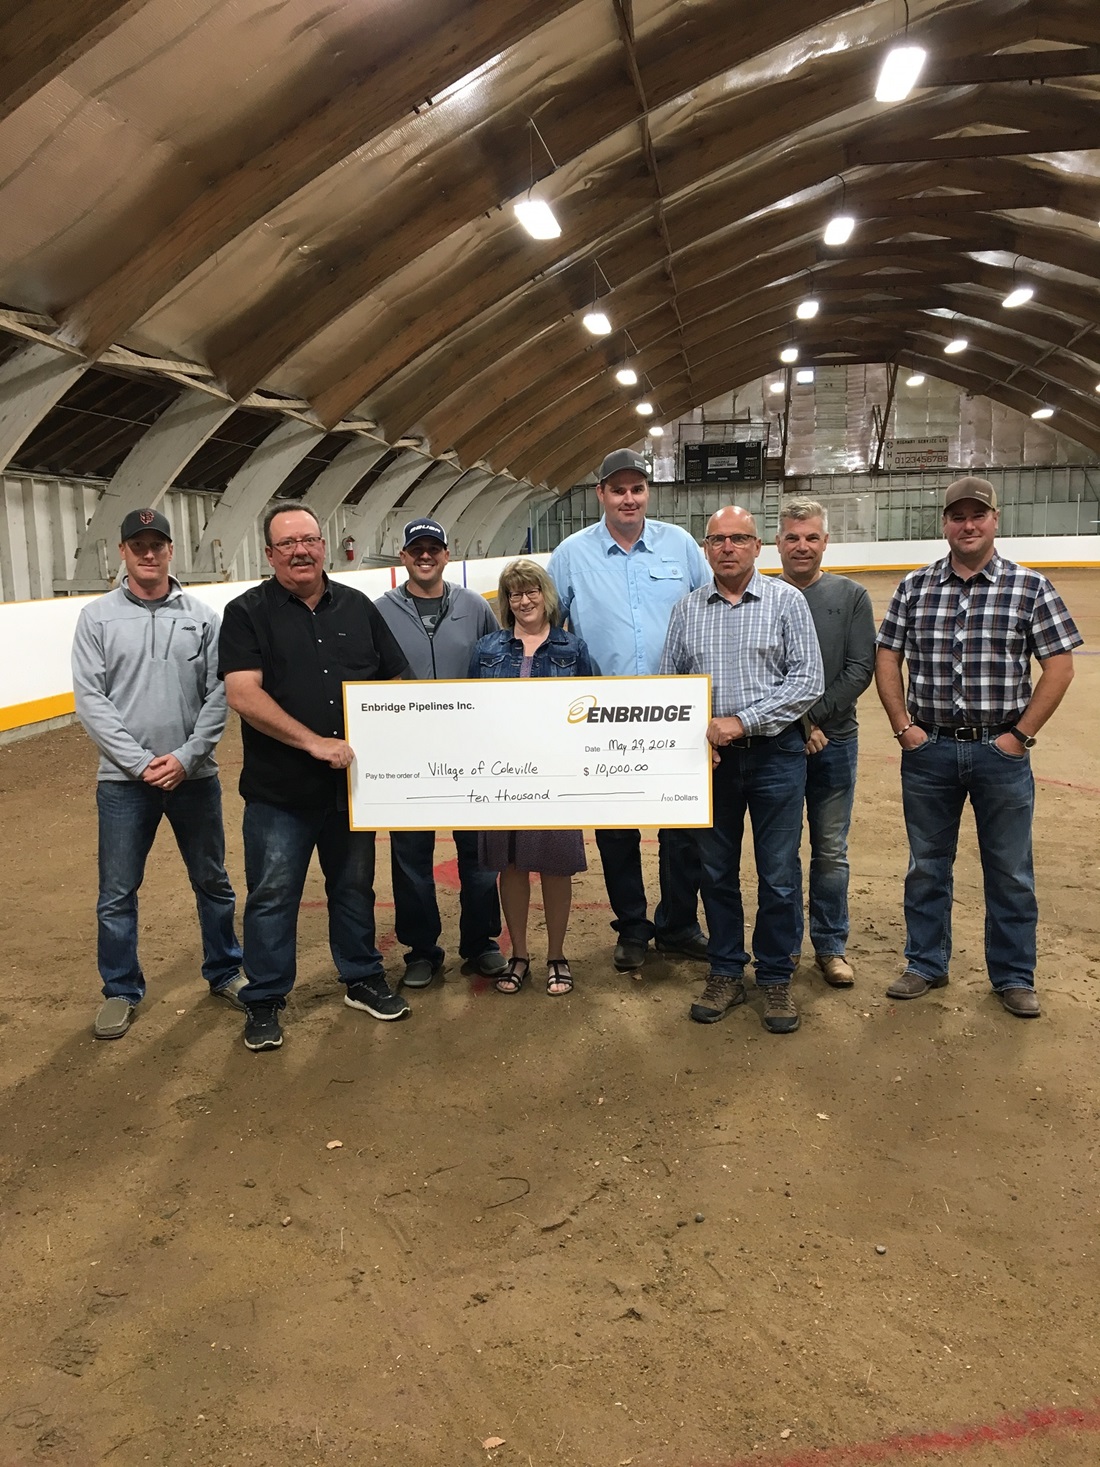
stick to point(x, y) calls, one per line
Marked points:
point(578, 1232)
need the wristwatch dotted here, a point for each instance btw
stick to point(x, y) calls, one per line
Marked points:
point(1028, 740)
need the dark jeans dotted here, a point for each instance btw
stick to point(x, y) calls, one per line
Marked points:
point(830, 791)
point(278, 845)
point(416, 910)
point(936, 779)
point(677, 914)
point(769, 781)
point(129, 814)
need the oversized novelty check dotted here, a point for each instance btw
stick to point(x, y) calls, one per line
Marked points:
point(529, 754)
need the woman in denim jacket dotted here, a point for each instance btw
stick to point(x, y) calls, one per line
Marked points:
point(532, 644)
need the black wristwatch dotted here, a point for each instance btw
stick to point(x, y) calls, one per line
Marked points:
point(1028, 740)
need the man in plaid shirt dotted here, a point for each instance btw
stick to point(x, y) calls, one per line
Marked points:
point(968, 626)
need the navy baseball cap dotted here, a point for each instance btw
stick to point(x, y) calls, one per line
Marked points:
point(623, 458)
point(145, 519)
point(424, 530)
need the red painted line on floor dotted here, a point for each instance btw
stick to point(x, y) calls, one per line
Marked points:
point(1006, 1430)
point(1067, 784)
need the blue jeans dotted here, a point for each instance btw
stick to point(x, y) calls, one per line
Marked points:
point(278, 845)
point(769, 781)
point(416, 911)
point(677, 914)
point(936, 778)
point(830, 790)
point(129, 814)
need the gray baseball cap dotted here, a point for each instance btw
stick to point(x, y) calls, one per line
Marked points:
point(623, 458)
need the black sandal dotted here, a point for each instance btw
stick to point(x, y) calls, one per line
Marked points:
point(558, 973)
point(513, 976)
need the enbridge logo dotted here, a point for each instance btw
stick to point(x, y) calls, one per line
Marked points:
point(587, 709)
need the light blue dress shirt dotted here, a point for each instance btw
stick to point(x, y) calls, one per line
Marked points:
point(620, 601)
point(762, 654)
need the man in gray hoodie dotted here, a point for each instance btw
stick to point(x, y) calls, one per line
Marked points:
point(437, 625)
point(145, 660)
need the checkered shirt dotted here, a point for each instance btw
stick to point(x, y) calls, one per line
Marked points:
point(762, 654)
point(969, 643)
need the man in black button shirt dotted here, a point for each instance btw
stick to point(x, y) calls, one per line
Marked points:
point(287, 646)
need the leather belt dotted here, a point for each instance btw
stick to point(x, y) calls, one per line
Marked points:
point(969, 734)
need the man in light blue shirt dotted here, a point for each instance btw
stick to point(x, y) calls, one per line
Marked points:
point(754, 636)
point(618, 581)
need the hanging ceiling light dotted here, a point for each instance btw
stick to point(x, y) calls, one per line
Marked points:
point(838, 231)
point(537, 217)
point(916, 380)
point(597, 322)
point(956, 345)
point(627, 376)
point(804, 376)
point(899, 73)
point(644, 408)
point(1043, 412)
point(789, 354)
point(1018, 296)
point(656, 431)
point(807, 309)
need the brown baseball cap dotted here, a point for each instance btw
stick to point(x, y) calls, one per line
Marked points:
point(980, 490)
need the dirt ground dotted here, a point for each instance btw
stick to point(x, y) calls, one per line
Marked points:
point(586, 1226)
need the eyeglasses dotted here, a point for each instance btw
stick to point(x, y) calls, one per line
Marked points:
point(717, 541)
point(515, 597)
point(308, 542)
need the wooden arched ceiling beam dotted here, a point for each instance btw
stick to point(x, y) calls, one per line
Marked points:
point(409, 55)
point(299, 306)
point(40, 38)
point(414, 56)
point(446, 306)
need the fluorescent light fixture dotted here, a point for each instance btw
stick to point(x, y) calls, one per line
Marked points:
point(958, 344)
point(807, 310)
point(627, 376)
point(780, 385)
point(899, 73)
point(804, 376)
point(644, 409)
point(838, 231)
point(789, 354)
point(916, 380)
point(1043, 412)
point(1017, 297)
point(656, 431)
point(537, 217)
point(596, 322)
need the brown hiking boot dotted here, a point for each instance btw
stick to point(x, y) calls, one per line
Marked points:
point(721, 994)
point(780, 1014)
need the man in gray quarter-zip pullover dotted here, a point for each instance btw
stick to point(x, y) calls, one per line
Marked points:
point(145, 677)
point(437, 625)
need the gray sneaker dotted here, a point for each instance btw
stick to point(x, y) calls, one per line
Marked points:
point(231, 991)
point(114, 1018)
point(420, 973)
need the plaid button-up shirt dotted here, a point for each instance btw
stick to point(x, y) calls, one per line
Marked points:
point(969, 643)
point(762, 654)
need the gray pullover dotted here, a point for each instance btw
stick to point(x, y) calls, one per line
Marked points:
point(146, 682)
point(463, 618)
point(845, 626)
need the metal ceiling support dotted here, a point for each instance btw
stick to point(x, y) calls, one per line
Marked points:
point(431, 488)
point(142, 480)
point(468, 489)
point(248, 492)
point(333, 485)
point(880, 443)
point(365, 521)
point(32, 382)
point(509, 523)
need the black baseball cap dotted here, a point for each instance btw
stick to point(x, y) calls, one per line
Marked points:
point(145, 519)
point(424, 530)
point(623, 458)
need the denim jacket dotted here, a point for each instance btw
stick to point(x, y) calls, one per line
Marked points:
point(499, 654)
